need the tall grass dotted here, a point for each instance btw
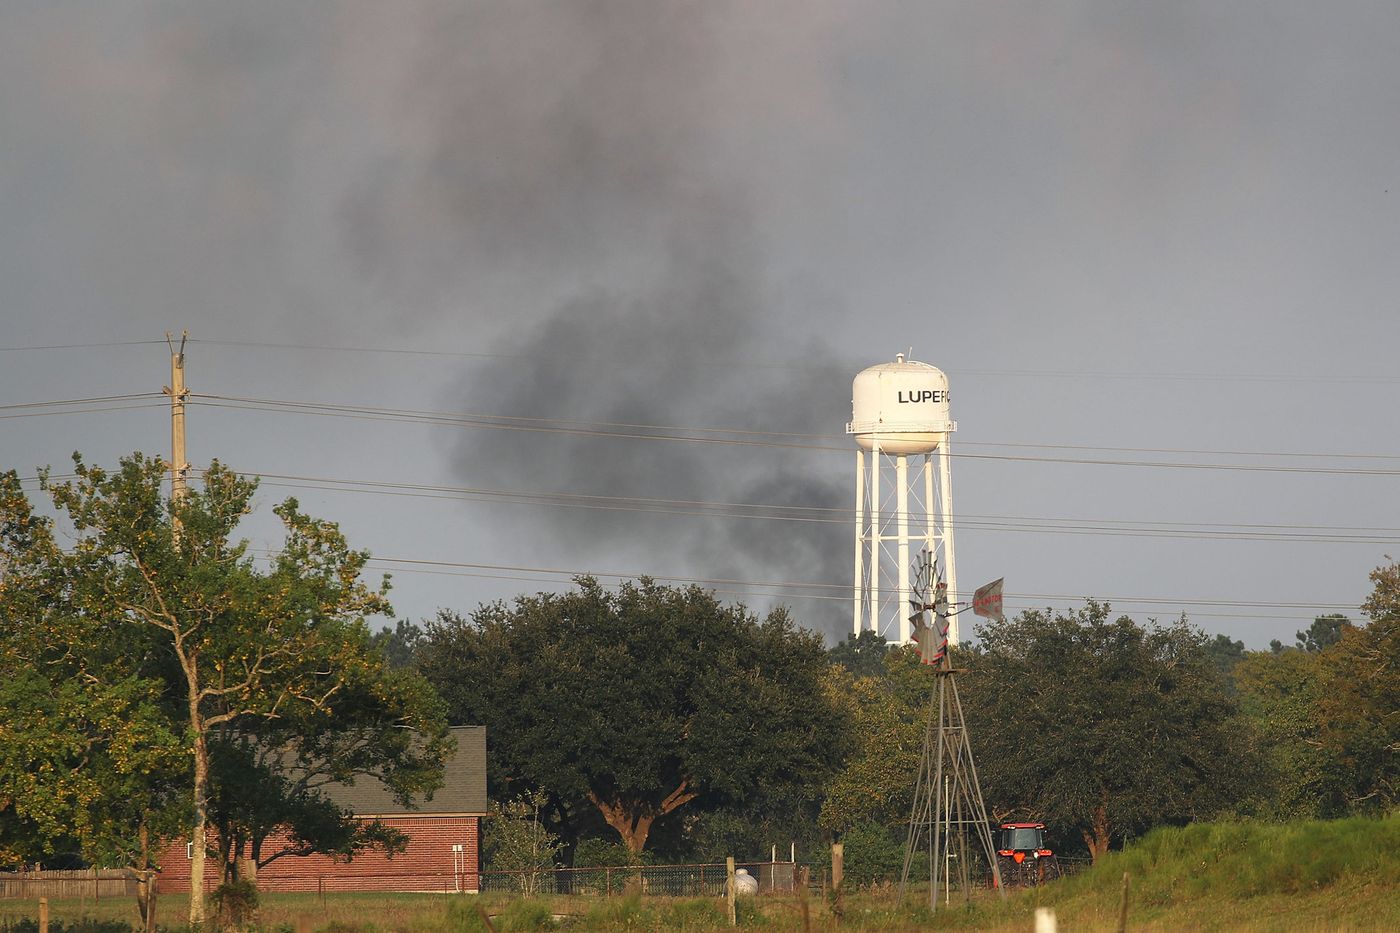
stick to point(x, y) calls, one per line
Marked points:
point(1246, 859)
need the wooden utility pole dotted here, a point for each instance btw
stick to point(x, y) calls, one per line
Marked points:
point(179, 466)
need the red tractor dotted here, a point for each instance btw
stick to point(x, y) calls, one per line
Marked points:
point(1022, 856)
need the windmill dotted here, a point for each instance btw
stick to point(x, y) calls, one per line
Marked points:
point(948, 805)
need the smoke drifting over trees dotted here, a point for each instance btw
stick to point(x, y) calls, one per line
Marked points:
point(595, 155)
point(680, 355)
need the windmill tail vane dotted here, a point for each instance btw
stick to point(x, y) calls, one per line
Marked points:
point(987, 601)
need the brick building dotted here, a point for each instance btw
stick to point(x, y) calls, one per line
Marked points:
point(443, 837)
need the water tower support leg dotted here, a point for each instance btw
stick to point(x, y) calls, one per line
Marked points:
point(950, 563)
point(860, 543)
point(876, 467)
point(901, 472)
point(930, 509)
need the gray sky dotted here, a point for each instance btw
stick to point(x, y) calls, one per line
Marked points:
point(1115, 225)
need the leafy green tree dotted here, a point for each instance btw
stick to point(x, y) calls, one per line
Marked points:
point(1100, 726)
point(1278, 696)
point(270, 775)
point(517, 839)
point(596, 852)
point(863, 655)
point(255, 792)
point(876, 783)
point(1225, 652)
point(640, 702)
point(398, 643)
point(163, 594)
point(1383, 605)
point(1325, 712)
point(88, 760)
point(1324, 632)
point(874, 853)
point(1359, 706)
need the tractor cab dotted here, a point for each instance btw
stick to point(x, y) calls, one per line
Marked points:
point(1020, 841)
point(1022, 855)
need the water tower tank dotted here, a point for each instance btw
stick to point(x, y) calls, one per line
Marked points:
point(900, 406)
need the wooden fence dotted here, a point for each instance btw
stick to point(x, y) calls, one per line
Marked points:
point(95, 883)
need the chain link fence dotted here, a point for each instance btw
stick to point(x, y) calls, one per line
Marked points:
point(699, 880)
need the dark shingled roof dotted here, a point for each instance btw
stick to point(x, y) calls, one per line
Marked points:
point(463, 791)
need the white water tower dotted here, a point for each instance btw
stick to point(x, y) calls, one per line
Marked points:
point(899, 410)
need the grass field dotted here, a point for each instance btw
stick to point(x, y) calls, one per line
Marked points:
point(1339, 875)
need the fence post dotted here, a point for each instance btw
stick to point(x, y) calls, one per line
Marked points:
point(838, 875)
point(43, 915)
point(1123, 907)
point(802, 900)
point(730, 891)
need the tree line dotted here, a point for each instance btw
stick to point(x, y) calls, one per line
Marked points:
point(696, 730)
point(158, 679)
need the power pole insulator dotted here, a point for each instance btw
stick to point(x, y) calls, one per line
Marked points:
point(179, 466)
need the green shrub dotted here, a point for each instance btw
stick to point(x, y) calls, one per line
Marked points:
point(872, 855)
point(235, 903)
point(600, 853)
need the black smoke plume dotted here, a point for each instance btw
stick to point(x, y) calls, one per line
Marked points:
point(596, 179)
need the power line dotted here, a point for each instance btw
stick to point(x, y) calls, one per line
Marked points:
point(82, 411)
point(82, 406)
point(1010, 607)
point(34, 480)
point(843, 366)
point(805, 588)
point(93, 400)
point(842, 589)
point(594, 429)
point(79, 346)
point(1329, 534)
point(269, 345)
point(314, 407)
point(1184, 450)
point(484, 421)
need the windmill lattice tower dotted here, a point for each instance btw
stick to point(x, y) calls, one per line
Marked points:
point(948, 808)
